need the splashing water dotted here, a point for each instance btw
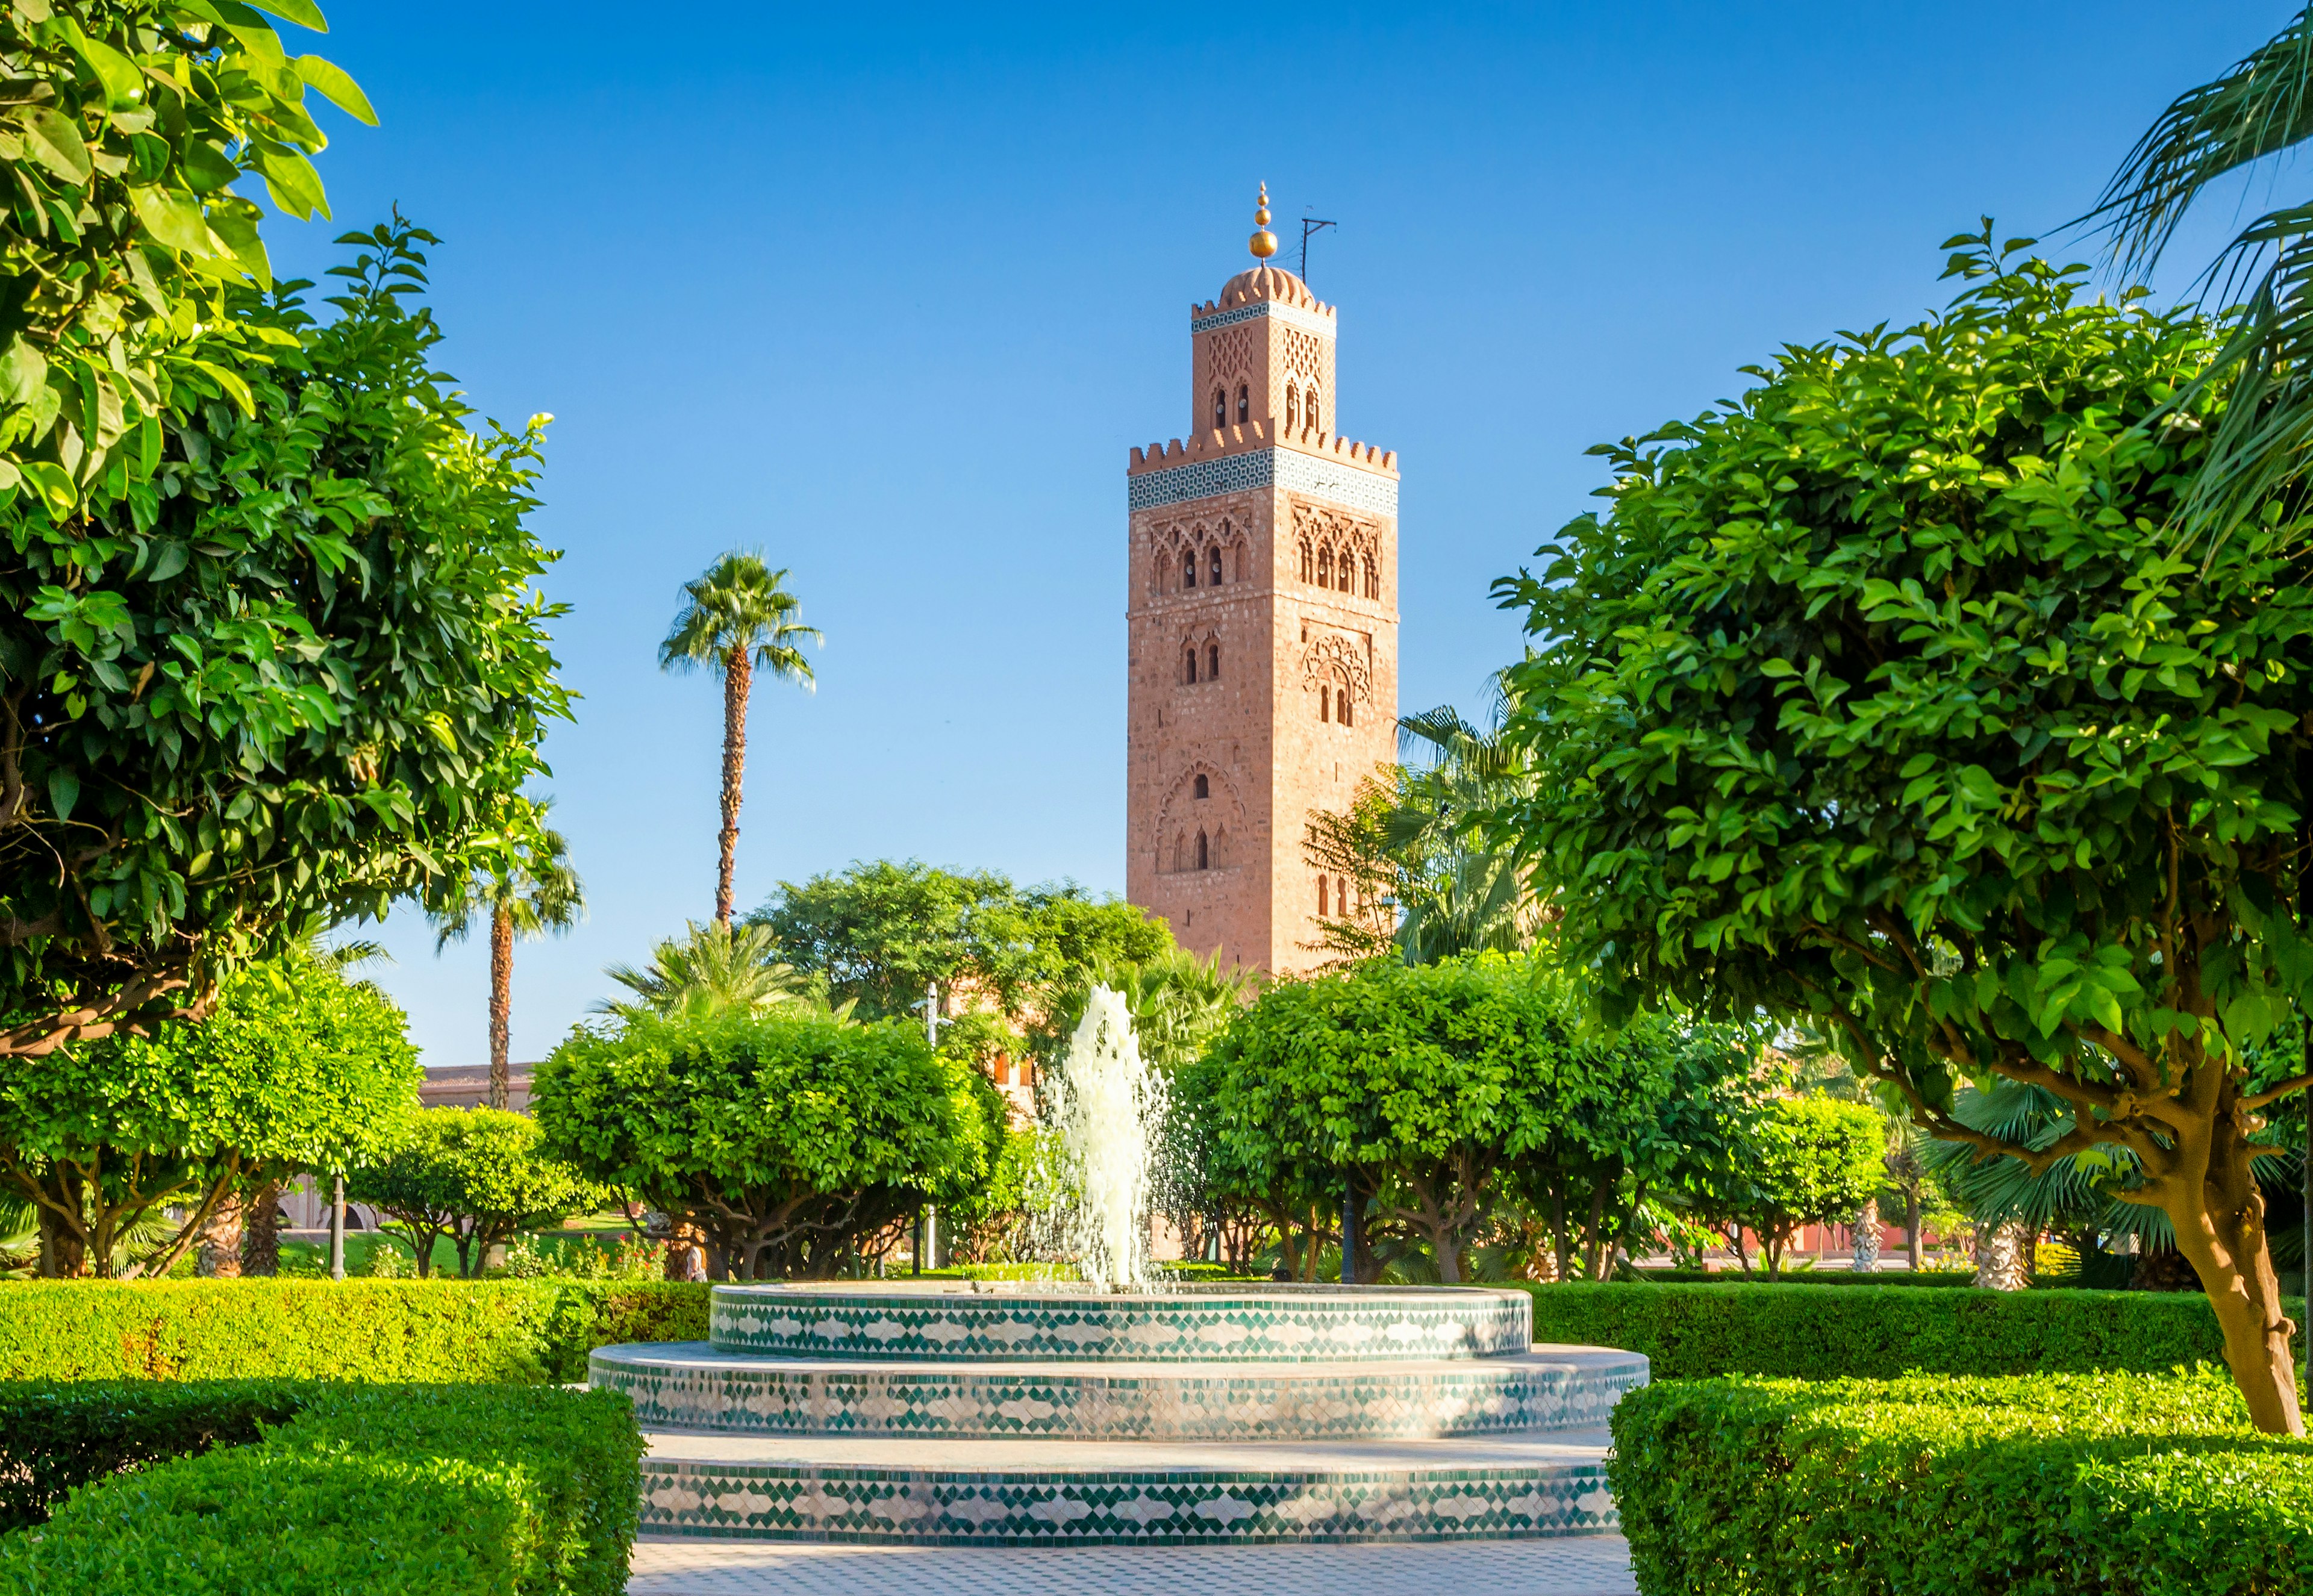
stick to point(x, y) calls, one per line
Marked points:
point(1108, 1106)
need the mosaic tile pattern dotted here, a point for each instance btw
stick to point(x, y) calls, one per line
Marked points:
point(686, 1385)
point(1288, 469)
point(1261, 309)
point(1264, 1325)
point(790, 1502)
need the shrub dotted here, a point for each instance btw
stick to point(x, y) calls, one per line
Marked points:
point(433, 1489)
point(2039, 1486)
point(508, 1332)
point(1937, 1277)
point(1812, 1332)
point(54, 1436)
point(477, 1176)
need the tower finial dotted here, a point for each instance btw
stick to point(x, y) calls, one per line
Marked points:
point(1263, 244)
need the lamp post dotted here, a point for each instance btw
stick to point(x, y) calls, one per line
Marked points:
point(928, 1227)
point(336, 1227)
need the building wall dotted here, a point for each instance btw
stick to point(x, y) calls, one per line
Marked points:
point(1298, 633)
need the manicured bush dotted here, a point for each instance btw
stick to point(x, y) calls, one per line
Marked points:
point(56, 1435)
point(2152, 1486)
point(1943, 1277)
point(509, 1332)
point(1814, 1332)
point(435, 1489)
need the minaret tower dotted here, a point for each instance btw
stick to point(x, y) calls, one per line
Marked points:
point(1263, 626)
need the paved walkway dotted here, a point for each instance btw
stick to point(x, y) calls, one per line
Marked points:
point(1569, 1565)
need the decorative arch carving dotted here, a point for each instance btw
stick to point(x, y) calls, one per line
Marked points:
point(1337, 660)
point(1183, 816)
point(1336, 550)
point(1172, 543)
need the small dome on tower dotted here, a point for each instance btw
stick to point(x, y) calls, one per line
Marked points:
point(1266, 282)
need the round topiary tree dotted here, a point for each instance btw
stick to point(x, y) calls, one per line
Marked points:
point(787, 1136)
point(481, 1177)
point(1884, 700)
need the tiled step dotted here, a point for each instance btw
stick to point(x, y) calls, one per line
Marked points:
point(968, 1321)
point(923, 1491)
point(689, 1385)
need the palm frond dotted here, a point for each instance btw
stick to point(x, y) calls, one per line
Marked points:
point(537, 889)
point(741, 606)
point(712, 968)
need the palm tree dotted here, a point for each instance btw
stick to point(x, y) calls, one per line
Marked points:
point(2261, 106)
point(734, 619)
point(535, 892)
point(712, 969)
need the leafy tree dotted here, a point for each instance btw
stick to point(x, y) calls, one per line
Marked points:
point(735, 618)
point(1416, 1084)
point(1804, 1161)
point(879, 933)
point(711, 970)
point(1883, 702)
point(527, 892)
point(1659, 1111)
point(292, 670)
point(787, 1136)
point(479, 1177)
point(297, 1069)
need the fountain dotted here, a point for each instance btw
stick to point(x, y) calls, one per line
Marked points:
point(1102, 1411)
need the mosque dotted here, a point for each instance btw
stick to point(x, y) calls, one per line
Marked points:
point(1263, 626)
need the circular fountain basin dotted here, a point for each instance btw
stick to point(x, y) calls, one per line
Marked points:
point(980, 1322)
point(688, 1385)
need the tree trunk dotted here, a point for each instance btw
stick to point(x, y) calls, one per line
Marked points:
point(1911, 1229)
point(2001, 1254)
point(220, 1255)
point(501, 1005)
point(2220, 1225)
point(684, 1247)
point(737, 672)
point(1593, 1236)
point(1558, 1228)
point(64, 1252)
point(261, 1234)
point(1866, 1238)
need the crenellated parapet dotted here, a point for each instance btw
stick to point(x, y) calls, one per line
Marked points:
point(1257, 435)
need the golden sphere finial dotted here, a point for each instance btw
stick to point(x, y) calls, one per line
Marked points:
point(1263, 244)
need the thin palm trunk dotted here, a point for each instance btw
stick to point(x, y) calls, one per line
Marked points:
point(737, 676)
point(501, 1004)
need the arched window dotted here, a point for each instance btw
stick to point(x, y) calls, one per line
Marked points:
point(1342, 897)
point(1325, 567)
point(1373, 581)
point(1213, 567)
point(1344, 716)
point(1292, 408)
point(1204, 853)
point(1188, 567)
point(1308, 562)
point(1192, 675)
point(1213, 661)
point(1325, 704)
point(1314, 424)
point(1243, 404)
point(1204, 788)
point(1220, 409)
point(1341, 578)
point(1321, 896)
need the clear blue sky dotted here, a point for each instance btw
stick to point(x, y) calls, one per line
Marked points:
point(890, 291)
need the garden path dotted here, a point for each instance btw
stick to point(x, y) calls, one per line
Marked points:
point(1569, 1565)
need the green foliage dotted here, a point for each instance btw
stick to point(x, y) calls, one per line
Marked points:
point(412, 1489)
point(740, 613)
point(1804, 1160)
point(1799, 1331)
point(709, 970)
point(788, 1137)
point(56, 1435)
point(297, 1069)
point(2039, 1486)
point(879, 933)
point(478, 1176)
point(510, 1332)
point(283, 666)
point(1883, 702)
point(531, 887)
point(1417, 1082)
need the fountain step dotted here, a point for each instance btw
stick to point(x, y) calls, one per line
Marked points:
point(925, 1491)
point(970, 1322)
point(691, 1385)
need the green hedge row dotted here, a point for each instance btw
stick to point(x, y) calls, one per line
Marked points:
point(54, 1436)
point(1933, 1278)
point(429, 1490)
point(1812, 1332)
point(2147, 1486)
point(516, 1332)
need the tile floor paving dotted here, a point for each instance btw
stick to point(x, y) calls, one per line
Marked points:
point(1574, 1566)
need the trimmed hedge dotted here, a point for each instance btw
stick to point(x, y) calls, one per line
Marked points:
point(1812, 1332)
point(53, 1437)
point(508, 1332)
point(433, 1489)
point(1946, 1278)
point(2149, 1485)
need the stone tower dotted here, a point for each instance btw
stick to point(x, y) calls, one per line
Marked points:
point(1263, 626)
